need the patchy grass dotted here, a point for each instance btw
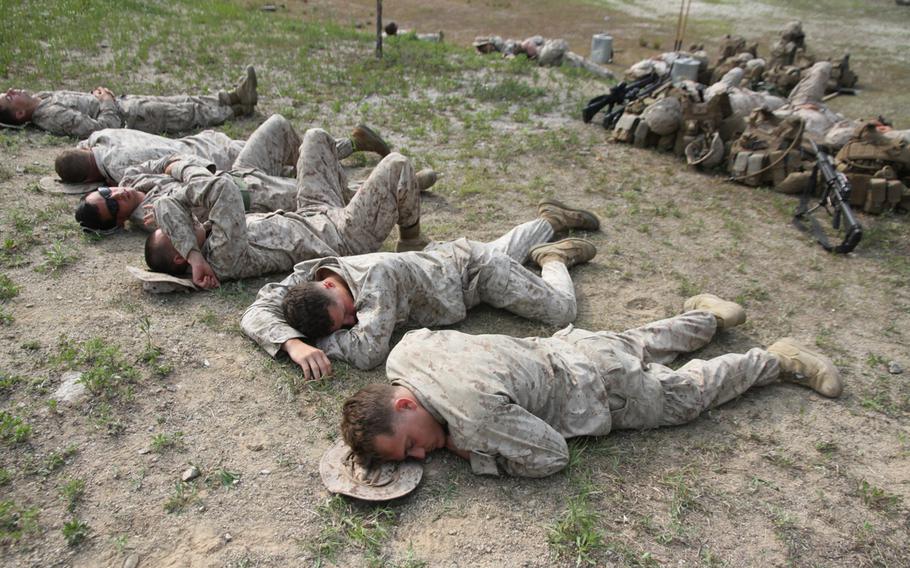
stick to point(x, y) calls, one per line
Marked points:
point(163, 442)
point(344, 526)
point(13, 430)
point(75, 531)
point(16, 521)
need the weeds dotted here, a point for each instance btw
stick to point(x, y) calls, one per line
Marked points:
point(13, 430)
point(72, 492)
point(344, 525)
point(16, 521)
point(877, 498)
point(108, 374)
point(575, 535)
point(183, 495)
point(162, 442)
point(56, 257)
point(8, 289)
point(75, 531)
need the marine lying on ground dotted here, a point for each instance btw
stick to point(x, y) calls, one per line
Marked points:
point(760, 138)
point(547, 52)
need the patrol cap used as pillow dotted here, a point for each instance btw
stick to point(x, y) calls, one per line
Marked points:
point(52, 184)
point(341, 472)
point(161, 283)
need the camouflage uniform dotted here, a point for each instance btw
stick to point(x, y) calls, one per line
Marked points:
point(822, 124)
point(512, 403)
point(116, 149)
point(240, 245)
point(429, 288)
point(68, 113)
point(257, 172)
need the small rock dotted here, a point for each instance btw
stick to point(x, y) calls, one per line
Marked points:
point(144, 451)
point(29, 305)
point(227, 537)
point(205, 362)
point(131, 561)
point(104, 45)
point(265, 472)
point(269, 8)
point(254, 447)
point(71, 390)
point(190, 474)
point(59, 297)
point(895, 368)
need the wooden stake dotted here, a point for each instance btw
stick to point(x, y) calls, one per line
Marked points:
point(378, 29)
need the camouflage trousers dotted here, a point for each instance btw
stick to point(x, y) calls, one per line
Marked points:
point(262, 165)
point(389, 196)
point(172, 114)
point(494, 275)
point(812, 84)
point(645, 393)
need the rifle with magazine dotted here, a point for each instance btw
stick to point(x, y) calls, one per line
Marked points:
point(835, 199)
point(619, 96)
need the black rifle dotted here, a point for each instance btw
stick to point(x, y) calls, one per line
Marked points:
point(619, 96)
point(835, 196)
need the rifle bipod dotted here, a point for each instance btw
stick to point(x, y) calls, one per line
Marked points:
point(836, 194)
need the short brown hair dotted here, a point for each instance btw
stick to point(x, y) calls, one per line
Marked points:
point(73, 166)
point(366, 415)
point(159, 255)
point(306, 309)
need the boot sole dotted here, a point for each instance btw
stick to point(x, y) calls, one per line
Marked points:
point(590, 223)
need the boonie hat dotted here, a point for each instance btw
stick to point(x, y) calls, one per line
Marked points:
point(342, 473)
point(161, 283)
point(52, 184)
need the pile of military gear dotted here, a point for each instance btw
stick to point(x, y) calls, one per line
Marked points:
point(778, 74)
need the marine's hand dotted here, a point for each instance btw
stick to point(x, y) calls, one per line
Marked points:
point(103, 94)
point(313, 361)
point(148, 219)
point(203, 274)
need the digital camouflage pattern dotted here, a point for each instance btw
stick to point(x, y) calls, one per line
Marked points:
point(118, 149)
point(257, 170)
point(240, 245)
point(69, 113)
point(512, 403)
point(415, 289)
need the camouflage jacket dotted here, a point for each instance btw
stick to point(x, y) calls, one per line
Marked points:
point(68, 113)
point(262, 192)
point(240, 245)
point(510, 402)
point(118, 149)
point(414, 289)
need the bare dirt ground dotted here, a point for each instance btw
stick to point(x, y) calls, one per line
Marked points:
point(779, 477)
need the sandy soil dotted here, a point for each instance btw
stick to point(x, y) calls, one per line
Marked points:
point(779, 477)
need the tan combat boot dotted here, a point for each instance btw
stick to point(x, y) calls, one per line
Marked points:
point(426, 179)
point(410, 238)
point(570, 252)
point(244, 97)
point(808, 368)
point(563, 217)
point(366, 139)
point(728, 314)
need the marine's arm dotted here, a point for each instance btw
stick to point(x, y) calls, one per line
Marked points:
point(514, 440)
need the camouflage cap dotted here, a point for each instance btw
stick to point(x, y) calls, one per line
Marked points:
point(160, 283)
point(52, 184)
point(342, 473)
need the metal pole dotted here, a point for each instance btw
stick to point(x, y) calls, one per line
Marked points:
point(378, 29)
